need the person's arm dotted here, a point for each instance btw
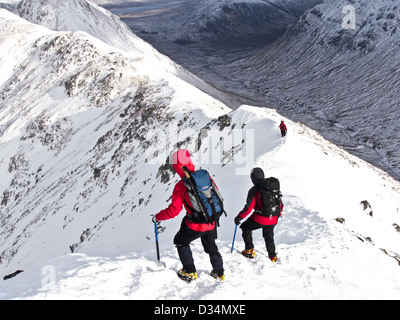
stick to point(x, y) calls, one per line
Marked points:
point(176, 204)
point(250, 203)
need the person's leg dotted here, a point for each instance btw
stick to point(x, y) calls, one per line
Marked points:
point(210, 247)
point(182, 242)
point(268, 234)
point(247, 232)
point(247, 235)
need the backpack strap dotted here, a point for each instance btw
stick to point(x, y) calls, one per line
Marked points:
point(219, 197)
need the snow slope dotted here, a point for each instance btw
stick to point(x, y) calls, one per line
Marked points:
point(86, 16)
point(61, 89)
point(320, 258)
point(81, 15)
point(85, 134)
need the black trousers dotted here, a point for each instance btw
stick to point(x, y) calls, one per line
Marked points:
point(268, 233)
point(182, 241)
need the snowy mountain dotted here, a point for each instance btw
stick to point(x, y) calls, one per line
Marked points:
point(56, 88)
point(78, 15)
point(342, 82)
point(205, 20)
point(88, 17)
point(86, 130)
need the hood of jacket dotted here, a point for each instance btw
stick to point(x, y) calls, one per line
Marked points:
point(182, 158)
point(257, 175)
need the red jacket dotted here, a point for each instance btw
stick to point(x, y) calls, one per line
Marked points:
point(254, 202)
point(180, 196)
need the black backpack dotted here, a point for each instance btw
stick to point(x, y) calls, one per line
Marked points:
point(271, 197)
point(206, 200)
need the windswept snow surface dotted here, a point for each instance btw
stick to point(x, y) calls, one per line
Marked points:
point(319, 257)
point(85, 133)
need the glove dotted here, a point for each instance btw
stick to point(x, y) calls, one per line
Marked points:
point(237, 220)
point(160, 228)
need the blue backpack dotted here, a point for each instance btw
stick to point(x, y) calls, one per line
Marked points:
point(206, 200)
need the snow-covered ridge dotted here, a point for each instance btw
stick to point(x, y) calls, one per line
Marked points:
point(320, 258)
point(79, 15)
point(88, 17)
point(85, 133)
point(65, 85)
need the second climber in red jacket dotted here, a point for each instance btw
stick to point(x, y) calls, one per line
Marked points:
point(283, 128)
point(254, 204)
point(190, 230)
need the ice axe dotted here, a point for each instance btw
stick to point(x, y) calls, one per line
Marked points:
point(234, 237)
point(157, 247)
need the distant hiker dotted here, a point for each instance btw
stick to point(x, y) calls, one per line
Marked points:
point(201, 218)
point(265, 199)
point(283, 128)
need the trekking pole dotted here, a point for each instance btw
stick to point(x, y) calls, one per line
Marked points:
point(156, 233)
point(234, 237)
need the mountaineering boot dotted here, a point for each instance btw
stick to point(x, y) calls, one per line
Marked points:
point(251, 253)
point(274, 259)
point(188, 277)
point(217, 275)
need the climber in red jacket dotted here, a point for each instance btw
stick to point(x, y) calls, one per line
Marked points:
point(190, 230)
point(283, 128)
point(257, 220)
